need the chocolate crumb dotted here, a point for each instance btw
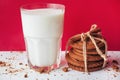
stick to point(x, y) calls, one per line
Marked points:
point(65, 69)
point(9, 64)
point(115, 62)
point(107, 63)
point(41, 70)
point(114, 75)
point(36, 78)
point(108, 69)
point(115, 67)
point(88, 73)
point(5, 69)
point(11, 68)
point(2, 63)
point(22, 69)
point(20, 63)
point(26, 65)
point(10, 71)
point(25, 76)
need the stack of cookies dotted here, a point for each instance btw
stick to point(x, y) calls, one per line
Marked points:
point(87, 51)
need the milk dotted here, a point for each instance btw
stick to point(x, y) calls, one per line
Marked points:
point(43, 30)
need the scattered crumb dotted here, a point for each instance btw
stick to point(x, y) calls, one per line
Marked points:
point(108, 70)
point(25, 76)
point(9, 65)
point(10, 71)
point(107, 63)
point(26, 65)
point(2, 63)
point(65, 69)
point(20, 63)
point(43, 70)
point(36, 78)
point(22, 69)
point(88, 73)
point(5, 69)
point(54, 74)
point(116, 68)
point(47, 78)
point(114, 75)
point(13, 71)
point(115, 62)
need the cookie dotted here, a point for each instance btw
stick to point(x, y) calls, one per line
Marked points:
point(90, 45)
point(78, 63)
point(79, 56)
point(92, 51)
point(87, 51)
point(83, 69)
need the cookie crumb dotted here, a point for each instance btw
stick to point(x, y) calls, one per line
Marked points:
point(25, 76)
point(9, 65)
point(107, 63)
point(36, 78)
point(115, 67)
point(22, 69)
point(26, 65)
point(88, 73)
point(108, 69)
point(65, 69)
point(2, 63)
point(47, 78)
point(114, 75)
point(20, 63)
point(41, 70)
point(115, 62)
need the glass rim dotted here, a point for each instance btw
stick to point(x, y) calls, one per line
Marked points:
point(39, 5)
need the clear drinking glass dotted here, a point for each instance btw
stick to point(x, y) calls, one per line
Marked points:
point(42, 25)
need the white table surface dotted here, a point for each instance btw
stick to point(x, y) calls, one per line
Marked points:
point(16, 57)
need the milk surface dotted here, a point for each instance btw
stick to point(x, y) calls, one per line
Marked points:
point(42, 30)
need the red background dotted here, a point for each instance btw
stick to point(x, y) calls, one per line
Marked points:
point(79, 16)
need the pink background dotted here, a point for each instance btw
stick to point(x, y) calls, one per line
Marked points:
point(79, 16)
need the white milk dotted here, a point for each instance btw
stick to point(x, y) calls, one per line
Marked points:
point(43, 30)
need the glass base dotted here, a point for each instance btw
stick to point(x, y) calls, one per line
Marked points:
point(45, 69)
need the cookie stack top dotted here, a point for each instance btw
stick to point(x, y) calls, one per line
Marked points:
point(87, 50)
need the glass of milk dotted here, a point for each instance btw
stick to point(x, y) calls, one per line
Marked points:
point(42, 25)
